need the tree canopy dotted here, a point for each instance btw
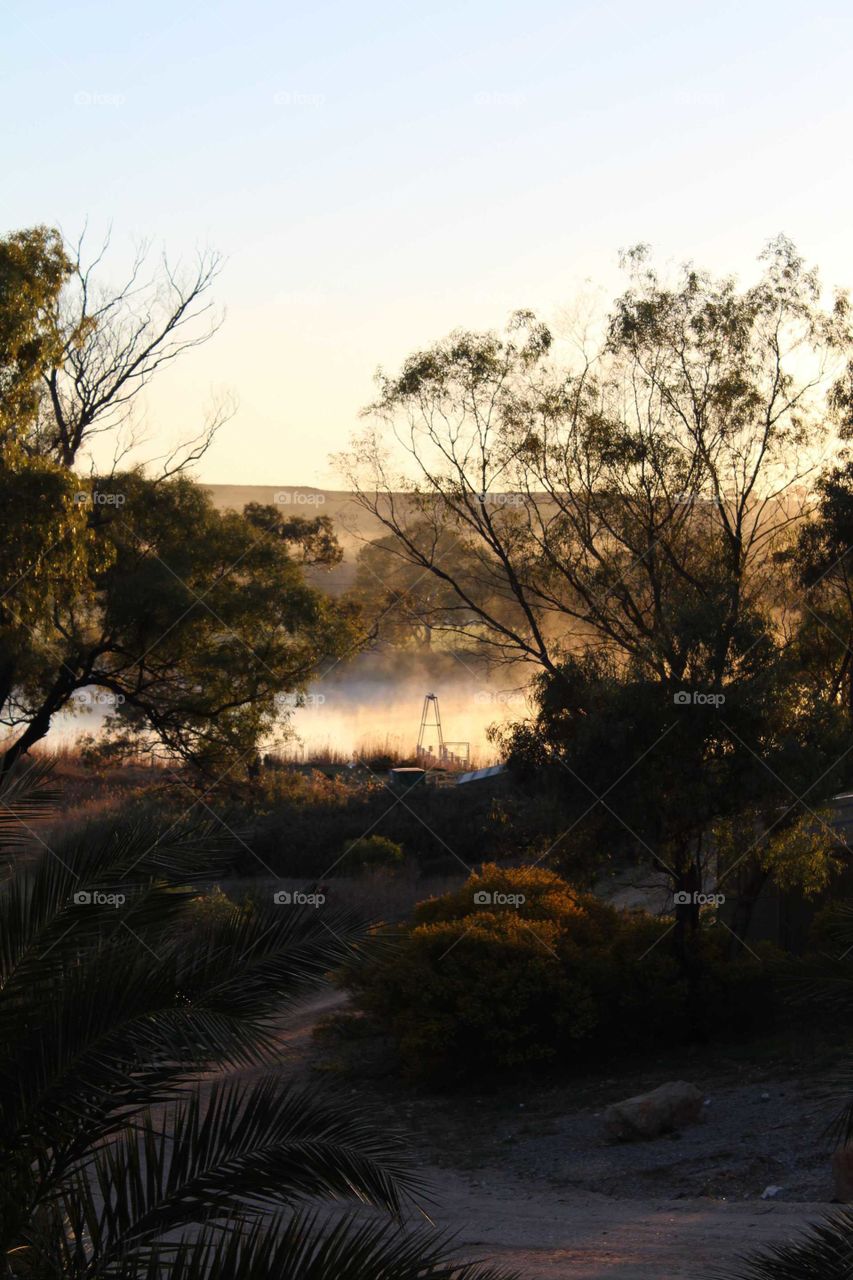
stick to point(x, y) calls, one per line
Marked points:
point(627, 507)
point(192, 621)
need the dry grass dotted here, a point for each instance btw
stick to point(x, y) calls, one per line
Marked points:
point(377, 753)
point(89, 792)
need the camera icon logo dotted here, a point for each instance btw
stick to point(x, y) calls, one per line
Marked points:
point(682, 899)
point(682, 698)
point(482, 898)
point(82, 898)
point(282, 898)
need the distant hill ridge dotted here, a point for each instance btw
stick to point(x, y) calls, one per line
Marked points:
point(351, 520)
point(352, 523)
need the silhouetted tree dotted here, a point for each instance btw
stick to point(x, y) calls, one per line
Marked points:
point(628, 507)
point(129, 587)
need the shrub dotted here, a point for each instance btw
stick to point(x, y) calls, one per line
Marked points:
point(298, 825)
point(518, 968)
point(371, 853)
point(211, 909)
point(829, 932)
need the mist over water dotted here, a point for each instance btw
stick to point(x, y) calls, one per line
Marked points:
point(370, 702)
point(373, 702)
point(376, 701)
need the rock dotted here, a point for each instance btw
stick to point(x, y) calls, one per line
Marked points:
point(842, 1174)
point(669, 1107)
point(770, 1192)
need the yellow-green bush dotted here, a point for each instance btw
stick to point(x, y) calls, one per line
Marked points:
point(546, 895)
point(474, 988)
point(371, 853)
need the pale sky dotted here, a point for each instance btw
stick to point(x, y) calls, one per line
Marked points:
point(377, 174)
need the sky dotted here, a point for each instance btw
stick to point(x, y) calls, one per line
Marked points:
point(378, 174)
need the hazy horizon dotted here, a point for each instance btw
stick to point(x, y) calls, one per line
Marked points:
point(376, 177)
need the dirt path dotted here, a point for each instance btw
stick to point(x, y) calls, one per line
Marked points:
point(578, 1236)
point(548, 1232)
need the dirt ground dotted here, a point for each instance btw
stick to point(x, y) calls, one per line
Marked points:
point(530, 1227)
point(528, 1177)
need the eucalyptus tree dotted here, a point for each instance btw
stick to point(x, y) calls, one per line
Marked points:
point(624, 508)
point(129, 587)
point(823, 559)
point(604, 492)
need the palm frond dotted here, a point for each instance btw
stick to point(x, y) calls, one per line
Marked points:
point(234, 1153)
point(38, 910)
point(268, 959)
point(26, 798)
point(308, 1246)
point(126, 1025)
point(115, 1158)
point(316, 1249)
point(824, 1253)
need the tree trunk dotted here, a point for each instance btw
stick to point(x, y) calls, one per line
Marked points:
point(40, 723)
point(686, 952)
point(747, 897)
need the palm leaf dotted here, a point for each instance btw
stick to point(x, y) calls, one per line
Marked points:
point(825, 1253)
point(304, 1247)
point(26, 800)
point(233, 1154)
point(37, 907)
point(112, 1161)
point(126, 1025)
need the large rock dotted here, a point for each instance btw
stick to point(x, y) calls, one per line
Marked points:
point(648, 1115)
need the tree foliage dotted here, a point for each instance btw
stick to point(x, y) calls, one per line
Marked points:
point(605, 498)
point(189, 622)
point(630, 503)
point(34, 267)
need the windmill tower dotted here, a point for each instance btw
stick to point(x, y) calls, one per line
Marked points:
point(431, 743)
point(430, 731)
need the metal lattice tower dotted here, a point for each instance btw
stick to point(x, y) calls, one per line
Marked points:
point(447, 753)
point(431, 721)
